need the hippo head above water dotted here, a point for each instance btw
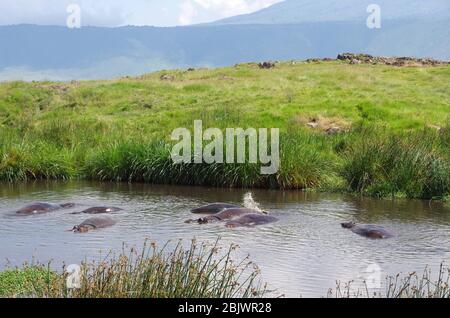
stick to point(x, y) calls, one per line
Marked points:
point(68, 205)
point(348, 225)
point(81, 228)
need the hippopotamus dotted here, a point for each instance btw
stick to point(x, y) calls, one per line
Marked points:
point(99, 210)
point(251, 220)
point(227, 214)
point(43, 207)
point(93, 224)
point(213, 208)
point(368, 230)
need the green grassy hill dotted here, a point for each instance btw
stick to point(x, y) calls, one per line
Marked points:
point(393, 125)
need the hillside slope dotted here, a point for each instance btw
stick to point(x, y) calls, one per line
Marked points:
point(376, 129)
point(57, 53)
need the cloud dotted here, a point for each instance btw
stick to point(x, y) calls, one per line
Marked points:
point(54, 12)
point(108, 13)
point(197, 10)
point(187, 12)
point(113, 13)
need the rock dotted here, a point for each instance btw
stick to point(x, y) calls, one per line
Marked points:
point(334, 130)
point(312, 125)
point(266, 65)
point(167, 77)
point(393, 61)
point(438, 128)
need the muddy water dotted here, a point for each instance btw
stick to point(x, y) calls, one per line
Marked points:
point(303, 254)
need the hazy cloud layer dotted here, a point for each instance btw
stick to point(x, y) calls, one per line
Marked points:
point(202, 10)
point(114, 13)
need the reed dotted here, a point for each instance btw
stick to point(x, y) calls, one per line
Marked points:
point(198, 271)
point(413, 285)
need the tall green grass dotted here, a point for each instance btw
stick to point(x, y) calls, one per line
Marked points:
point(35, 161)
point(415, 165)
point(368, 161)
point(304, 164)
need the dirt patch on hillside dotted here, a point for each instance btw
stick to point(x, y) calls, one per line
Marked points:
point(328, 125)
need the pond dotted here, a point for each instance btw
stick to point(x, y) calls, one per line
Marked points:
point(303, 254)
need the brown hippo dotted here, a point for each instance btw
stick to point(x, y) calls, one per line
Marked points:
point(368, 230)
point(99, 210)
point(227, 214)
point(213, 208)
point(93, 224)
point(251, 220)
point(43, 207)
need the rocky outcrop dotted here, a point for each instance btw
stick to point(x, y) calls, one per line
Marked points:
point(352, 58)
point(166, 77)
point(266, 65)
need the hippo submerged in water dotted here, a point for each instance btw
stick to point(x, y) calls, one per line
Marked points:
point(368, 230)
point(227, 214)
point(251, 220)
point(43, 207)
point(237, 217)
point(93, 224)
point(99, 210)
point(214, 208)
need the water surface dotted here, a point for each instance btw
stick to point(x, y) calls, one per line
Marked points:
point(303, 254)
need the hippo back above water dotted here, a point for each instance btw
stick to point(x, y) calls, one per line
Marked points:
point(225, 215)
point(99, 210)
point(214, 208)
point(43, 207)
point(94, 223)
point(249, 220)
point(369, 230)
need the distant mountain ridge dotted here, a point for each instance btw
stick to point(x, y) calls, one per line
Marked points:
point(302, 11)
point(33, 52)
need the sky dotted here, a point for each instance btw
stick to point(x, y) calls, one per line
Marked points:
point(114, 13)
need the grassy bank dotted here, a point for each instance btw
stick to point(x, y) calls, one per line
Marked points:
point(393, 126)
point(198, 271)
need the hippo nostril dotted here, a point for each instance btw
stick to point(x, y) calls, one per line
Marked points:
point(202, 221)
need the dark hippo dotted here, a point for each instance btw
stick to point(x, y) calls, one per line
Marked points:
point(99, 210)
point(43, 207)
point(368, 230)
point(213, 208)
point(251, 220)
point(93, 224)
point(227, 214)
